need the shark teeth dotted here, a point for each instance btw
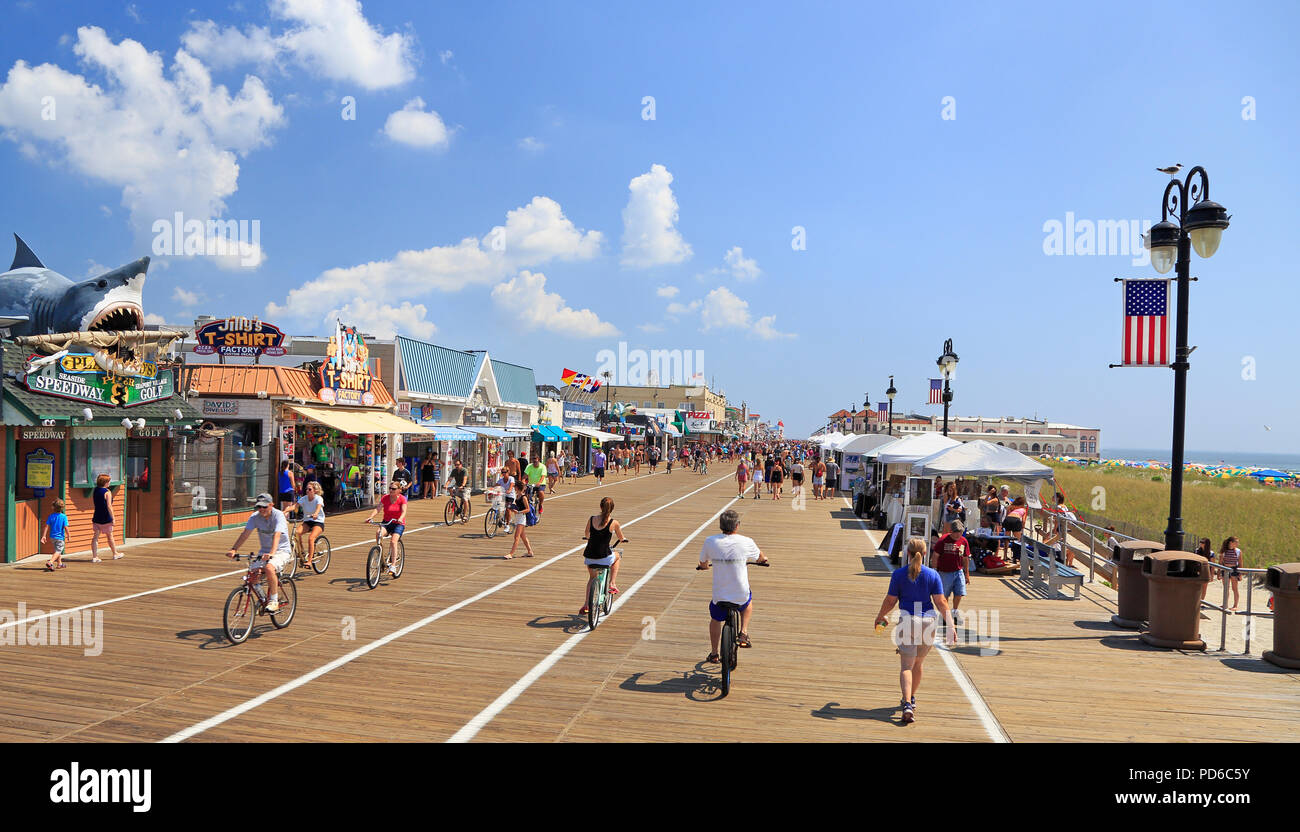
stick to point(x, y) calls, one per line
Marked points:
point(118, 317)
point(117, 366)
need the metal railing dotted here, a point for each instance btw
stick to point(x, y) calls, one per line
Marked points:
point(1248, 576)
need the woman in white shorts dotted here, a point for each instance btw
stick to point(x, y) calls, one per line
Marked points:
point(602, 530)
point(758, 480)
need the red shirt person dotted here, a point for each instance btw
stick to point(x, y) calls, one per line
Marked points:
point(951, 558)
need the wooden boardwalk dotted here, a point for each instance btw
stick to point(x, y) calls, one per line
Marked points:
point(469, 646)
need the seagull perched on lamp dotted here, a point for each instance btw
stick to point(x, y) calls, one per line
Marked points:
point(1172, 170)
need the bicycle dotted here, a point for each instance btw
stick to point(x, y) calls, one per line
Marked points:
point(599, 601)
point(375, 560)
point(730, 642)
point(495, 519)
point(249, 599)
point(457, 509)
point(320, 562)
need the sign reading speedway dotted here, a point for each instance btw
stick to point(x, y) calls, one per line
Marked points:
point(73, 378)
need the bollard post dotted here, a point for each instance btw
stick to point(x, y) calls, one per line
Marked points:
point(1092, 553)
point(1250, 596)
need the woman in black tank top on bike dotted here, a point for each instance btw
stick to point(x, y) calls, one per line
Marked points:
point(601, 530)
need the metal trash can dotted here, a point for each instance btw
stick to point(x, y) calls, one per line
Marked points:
point(1284, 581)
point(1132, 583)
point(1174, 584)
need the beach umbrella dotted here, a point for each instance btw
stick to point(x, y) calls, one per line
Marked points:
point(1271, 473)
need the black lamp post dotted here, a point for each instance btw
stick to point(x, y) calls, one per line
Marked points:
point(947, 365)
point(889, 394)
point(1200, 225)
point(607, 376)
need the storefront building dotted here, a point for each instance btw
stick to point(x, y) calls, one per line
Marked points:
point(66, 421)
point(479, 408)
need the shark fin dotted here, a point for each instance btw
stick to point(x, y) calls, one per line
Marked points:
point(24, 257)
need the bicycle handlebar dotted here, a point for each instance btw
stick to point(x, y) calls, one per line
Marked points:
point(702, 567)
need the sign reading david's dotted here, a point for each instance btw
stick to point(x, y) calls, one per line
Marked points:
point(79, 376)
point(240, 336)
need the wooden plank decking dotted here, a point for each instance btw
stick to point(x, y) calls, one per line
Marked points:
point(817, 671)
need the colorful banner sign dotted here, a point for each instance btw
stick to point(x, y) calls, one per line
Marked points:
point(345, 375)
point(426, 414)
point(578, 415)
point(239, 336)
point(78, 376)
point(40, 469)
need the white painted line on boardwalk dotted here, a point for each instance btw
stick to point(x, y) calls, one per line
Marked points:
point(92, 605)
point(991, 725)
point(539, 670)
point(257, 701)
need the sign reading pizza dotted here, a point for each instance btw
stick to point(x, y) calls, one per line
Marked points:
point(345, 374)
point(82, 377)
point(240, 336)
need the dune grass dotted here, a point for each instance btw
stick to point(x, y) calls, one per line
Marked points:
point(1265, 518)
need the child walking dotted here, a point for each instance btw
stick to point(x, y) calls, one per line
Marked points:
point(56, 529)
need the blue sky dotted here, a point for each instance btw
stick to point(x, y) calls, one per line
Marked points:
point(824, 116)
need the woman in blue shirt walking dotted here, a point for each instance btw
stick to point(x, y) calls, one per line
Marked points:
point(917, 590)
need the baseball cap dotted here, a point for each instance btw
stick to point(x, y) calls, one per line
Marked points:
point(264, 500)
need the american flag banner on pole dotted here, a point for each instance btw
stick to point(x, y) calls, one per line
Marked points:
point(1146, 323)
point(882, 408)
point(936, 391)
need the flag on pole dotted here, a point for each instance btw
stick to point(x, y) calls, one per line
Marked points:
point(882, 408)
point(569, 377)
point(1146, 323)
point(936, 391)
point(591, 385)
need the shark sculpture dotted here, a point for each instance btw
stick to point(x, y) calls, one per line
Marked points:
point(35, 300)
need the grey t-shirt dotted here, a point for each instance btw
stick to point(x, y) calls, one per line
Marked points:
point(266, 529)
point(832, 472)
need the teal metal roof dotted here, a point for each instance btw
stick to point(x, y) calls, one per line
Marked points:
point(514, 383)
point(438, 371)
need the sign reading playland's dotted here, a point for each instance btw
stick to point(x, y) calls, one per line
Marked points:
point(240, 336)
point(345, 374)
point(79, 376)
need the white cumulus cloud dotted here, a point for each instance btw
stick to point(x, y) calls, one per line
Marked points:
point(185, 298)
point(650, 235)
point(413, 126)
point(170, 143)
point(525, 297)
point(330, 38)
point(723, 309)
point(667, 291)
point(533, 234)
point(383, 320)
point(742, 267)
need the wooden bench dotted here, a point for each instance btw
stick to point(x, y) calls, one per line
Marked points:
point(1039, 563)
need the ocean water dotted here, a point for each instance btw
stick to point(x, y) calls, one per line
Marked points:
point(1242, 459)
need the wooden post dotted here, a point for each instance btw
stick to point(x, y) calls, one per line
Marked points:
point(169, 488)
point(221, 472)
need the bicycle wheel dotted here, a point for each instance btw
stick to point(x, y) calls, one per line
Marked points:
point(399, 559)
point(239, 615)
point(490, 523)
point(593, 600)
point(288, 604)
point(449, 513)
point(374, 566)
point(728, 648)
point(292, 568)
point(735, 638)
point(322, 560)
point(609, 599)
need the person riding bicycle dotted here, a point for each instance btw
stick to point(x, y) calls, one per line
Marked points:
point(311, 508)
point(535, 473)
point(599, 535)
point(393, 506)
point(731, 552)
point(456, 486)
point(274, 549)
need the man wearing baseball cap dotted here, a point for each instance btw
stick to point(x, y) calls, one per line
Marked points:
point(273, 536)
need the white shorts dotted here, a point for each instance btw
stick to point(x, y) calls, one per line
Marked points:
point(607, 561)
point(280, 559)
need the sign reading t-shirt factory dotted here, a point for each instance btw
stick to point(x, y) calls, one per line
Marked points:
point(345, 374)
point(83, 376)
point(247, 337)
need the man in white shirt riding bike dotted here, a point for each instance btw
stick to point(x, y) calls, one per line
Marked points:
point(273, 537)
point(731, 553)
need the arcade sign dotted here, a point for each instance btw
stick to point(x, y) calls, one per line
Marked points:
point(345, 374)
point(239, 336)
point(78, 376)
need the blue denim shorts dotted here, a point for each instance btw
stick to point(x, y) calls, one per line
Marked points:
point(954, 583)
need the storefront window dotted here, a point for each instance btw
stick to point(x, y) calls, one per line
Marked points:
point(195, 476)
point(138, 475)
point(92, 457)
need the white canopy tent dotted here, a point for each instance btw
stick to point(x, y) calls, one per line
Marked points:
point(865, 443)
point(839, 442)
point(978, 458)
point(911, 448)
point(827, 437)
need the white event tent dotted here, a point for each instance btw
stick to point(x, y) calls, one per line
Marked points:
point(978, 458)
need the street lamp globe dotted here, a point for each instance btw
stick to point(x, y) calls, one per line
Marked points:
point(1205, 223)
point(1163, 245)
point(948, 361)
point(891, 392)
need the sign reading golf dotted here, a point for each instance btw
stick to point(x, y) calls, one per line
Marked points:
point(241, 336)
point(79, 376)
point(345, 375)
